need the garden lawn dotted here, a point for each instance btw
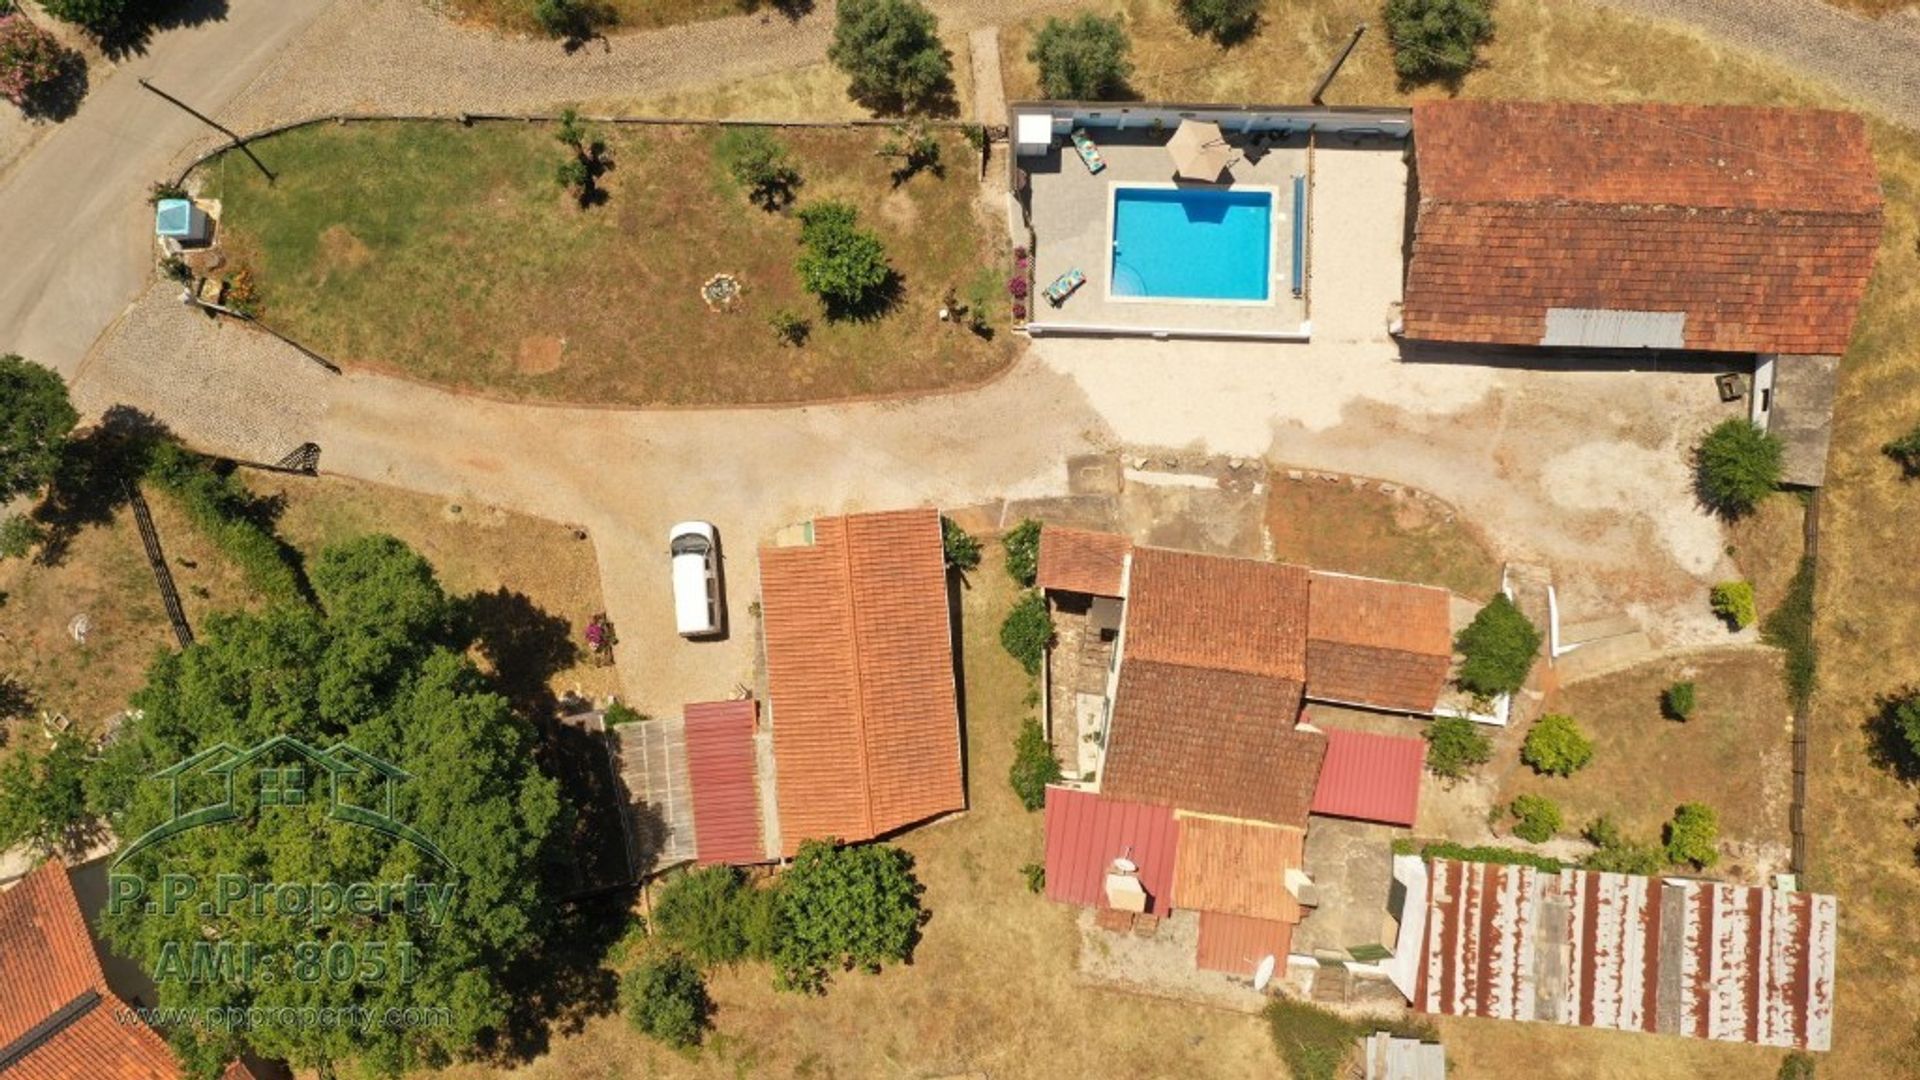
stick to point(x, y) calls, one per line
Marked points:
point(451, 255)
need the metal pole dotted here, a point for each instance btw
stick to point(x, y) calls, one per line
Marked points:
point(212, 123)
point(1333, 69)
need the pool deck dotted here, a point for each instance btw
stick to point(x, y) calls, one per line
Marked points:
point(1071, 209)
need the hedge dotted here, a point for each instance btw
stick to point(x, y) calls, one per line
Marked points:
point(223, 510)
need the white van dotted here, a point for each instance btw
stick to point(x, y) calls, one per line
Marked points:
point(696, 578)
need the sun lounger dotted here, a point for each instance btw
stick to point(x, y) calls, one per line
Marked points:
point(1064, 285)
point(1089, 153)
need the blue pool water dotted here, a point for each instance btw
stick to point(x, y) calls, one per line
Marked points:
point(1192, 244)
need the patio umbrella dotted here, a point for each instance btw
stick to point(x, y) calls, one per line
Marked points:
point(1199, 151)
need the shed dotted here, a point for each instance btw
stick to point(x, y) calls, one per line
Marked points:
point(179, 219)
point(725, 782)
point(1032, 133)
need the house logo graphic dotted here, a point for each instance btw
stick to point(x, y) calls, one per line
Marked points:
point(286, 771)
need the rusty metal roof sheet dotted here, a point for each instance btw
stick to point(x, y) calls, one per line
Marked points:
point(1704, 959)
point(726, 791)
point(1087, 831)
point(1079, 561)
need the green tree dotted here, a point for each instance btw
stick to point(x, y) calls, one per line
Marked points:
point(962, 547)
point(841, 263)
point(1034, 766)
point(35, 420)
point(376, 666)
point(1733, 601)
point(1498, 646)
point(1027, 631)
point(700, 913)
point(102, 16)
point(43, 797)
point(1083, 58)
point(1693, 836)
point(1615, 854)
point(1556, 746)
point(573, 20)
point(666, 999)
point(1225, 21)
point(570, 132)
point(1437, 39)
point(19, 535)
point(1677, 701)
point(1736, 465)
point(1023, 552)
point(759, 163)
point(1797, 1065)
point(30, 59)
point(1535, 818)
point(891, 53)
point(844, 907)
point(1454, 745)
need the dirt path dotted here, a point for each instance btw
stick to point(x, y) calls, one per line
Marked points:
point(1875, 62)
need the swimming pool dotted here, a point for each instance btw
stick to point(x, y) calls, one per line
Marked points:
point(1192, 243)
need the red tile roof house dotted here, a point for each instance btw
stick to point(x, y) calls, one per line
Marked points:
point(861, 687)
point(1736, 232)
point(58, 1018)
point(1210, 781)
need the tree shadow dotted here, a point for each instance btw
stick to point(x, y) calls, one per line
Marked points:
point(793, 10)
point(1888, 743)
point(558, 988)
point(525, 644)
point(90, 485)
point(131, 34)
point(872, 304)
point(16, 701)
point(58, 98)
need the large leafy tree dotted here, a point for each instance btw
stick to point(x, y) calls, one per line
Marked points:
point(844, 907)
point(891, 52)
point(35, 420)
point(1083, 58)
point(841, 263)
point(378, 667)
point(1437, 40)
point(43, 800)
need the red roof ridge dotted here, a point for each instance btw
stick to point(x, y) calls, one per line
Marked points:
point(859, 674)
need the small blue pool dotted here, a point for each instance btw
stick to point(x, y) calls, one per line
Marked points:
point(1192, 243)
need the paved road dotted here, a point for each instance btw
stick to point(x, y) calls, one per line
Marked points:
point(75, 232)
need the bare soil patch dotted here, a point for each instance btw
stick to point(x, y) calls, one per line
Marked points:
point(1403, 534)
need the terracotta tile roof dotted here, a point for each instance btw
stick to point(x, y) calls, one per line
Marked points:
point(1236, 944)
point(1218, 742)
point(1237, 867)
point(1227, 614)
point(1759, 224)
point(1086, 832)
point(48, 963)
point(725, 782)
point(1371, 777)
point(1076, 560)
point(1378, 643)
point(860, 677)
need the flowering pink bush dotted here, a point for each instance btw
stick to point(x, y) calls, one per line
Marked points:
point(1019, 311)
point(1017, 285)
point(29, 58)
point(1020, 254)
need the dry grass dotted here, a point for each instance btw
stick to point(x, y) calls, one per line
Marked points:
point(473, 549)
point(1334, 526)
point(1496, 1048)
point(991, 991)
point(1767, 545)
point(1735, 755)
point(516, 16)
point(452, 255)
point(1876, 8)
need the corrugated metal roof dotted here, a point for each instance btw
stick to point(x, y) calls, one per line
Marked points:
point(1236, 943)
point(1371, 777)
point(726, 793)
point(1704, 959)
point(1076, 560)
point(1086, 832)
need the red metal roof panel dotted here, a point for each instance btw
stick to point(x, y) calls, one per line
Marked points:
point(1086, 832)
point(726, 792)
point(1371, 777)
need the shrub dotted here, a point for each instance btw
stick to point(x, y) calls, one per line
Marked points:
point(619, 712)
point(1615, 854)
point(1790, 627)
point(1535, 818)
point(1447, 849)
point(1082, 58)
point(1498, 646)
point(891, 53)
point(842, 264)
point(1314, 1042)
point(1677, 701)
point(1023, 551)
point(1797, 1065)
point(1736, 465)
point(700, 914)
point(19, 535)
point(224, 511)
point(30, 59)
point(665, 999)
point(1693, 836)
point(1036, 876)
point(962, 547)
point(844, 907)
point(1733, 601)
point(1437, 39)
point(165, 189)
point(572, 20)
point(758, 162)
point(1454, 745)
point(760, 920)
point(102, 17)
point(1905, 451)
point(1556, 746)
point(1225, 21)
point(1017, 286)
point(1034, 766)
point(789, 327)
point(570, 132)
point(917, 149)
point(573, 174)
point(1027, 631)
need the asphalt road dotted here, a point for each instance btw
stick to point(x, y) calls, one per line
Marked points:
point(75, 235)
